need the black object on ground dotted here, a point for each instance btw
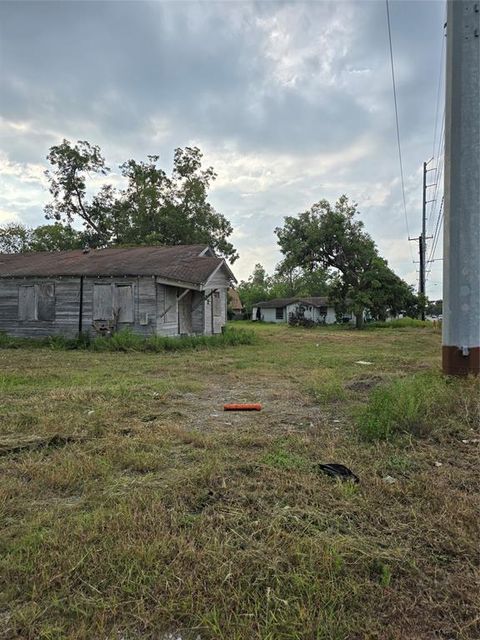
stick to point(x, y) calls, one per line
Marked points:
point(338, 471)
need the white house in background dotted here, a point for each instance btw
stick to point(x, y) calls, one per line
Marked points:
point(317, 309)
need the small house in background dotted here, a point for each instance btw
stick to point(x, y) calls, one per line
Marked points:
point(168, 291)
point(316, 309)
point(235, 304)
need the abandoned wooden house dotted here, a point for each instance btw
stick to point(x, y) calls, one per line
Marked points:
point(179, 290)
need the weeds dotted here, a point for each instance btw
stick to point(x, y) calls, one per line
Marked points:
point(414, 404)
point(126, 340)
point(400, 323)
point(162, 517)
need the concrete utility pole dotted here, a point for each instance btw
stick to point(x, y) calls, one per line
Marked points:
point(461, 274)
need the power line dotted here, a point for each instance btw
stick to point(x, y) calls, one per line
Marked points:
point(438, 174)
point(439, 86)
point(436, 235)
point(397, 126)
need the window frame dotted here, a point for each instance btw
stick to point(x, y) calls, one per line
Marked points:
point(42, 307)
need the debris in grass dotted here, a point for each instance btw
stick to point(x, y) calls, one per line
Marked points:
point(389, 480)
point(255, 406)
point(363, 362)
point(338, 471)
point(90, 413)
point(438, 464)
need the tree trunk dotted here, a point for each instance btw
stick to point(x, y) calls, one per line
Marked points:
point(359, 320)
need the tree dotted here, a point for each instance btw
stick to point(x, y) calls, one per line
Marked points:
point(68, 184)
point(14, 238)
point(56, 237)
point(330, 237)
point(17, 238)
point(288, 282)
point(284, 283)
point(255, 289)
point(152, 209)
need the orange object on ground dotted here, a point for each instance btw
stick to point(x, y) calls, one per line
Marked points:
point(242, 407)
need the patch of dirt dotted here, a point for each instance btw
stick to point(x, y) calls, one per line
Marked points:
point(284, 408)
point(364, 384)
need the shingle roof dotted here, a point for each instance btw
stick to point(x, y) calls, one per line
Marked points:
point(183, 262)
point(278, 303)
point(234, 299)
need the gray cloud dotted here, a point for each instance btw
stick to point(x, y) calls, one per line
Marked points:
point(291, 102)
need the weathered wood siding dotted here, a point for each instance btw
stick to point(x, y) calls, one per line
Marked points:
point(138, 303)
point(167, 310)
point(59, 298)
point(216, 304)
point(215, 313)
point(198, 312)
point(62, 298)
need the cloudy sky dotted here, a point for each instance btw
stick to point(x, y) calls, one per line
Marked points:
point(291, 102)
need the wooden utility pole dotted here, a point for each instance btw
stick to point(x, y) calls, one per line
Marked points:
point(422, 239)
point(461, 275)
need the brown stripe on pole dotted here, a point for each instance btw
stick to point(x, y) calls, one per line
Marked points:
point(461, 275)
point(456, 363)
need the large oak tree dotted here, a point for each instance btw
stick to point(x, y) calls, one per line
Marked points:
point(332, 237)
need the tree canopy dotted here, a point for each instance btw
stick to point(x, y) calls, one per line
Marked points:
point(153, 208)
point(284, 283)
point(331, 237)
point(18, 238)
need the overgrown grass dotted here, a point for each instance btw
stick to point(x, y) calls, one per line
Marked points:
point(400, 323)
point(126, 340)
point(158, 515)
point(416, 405)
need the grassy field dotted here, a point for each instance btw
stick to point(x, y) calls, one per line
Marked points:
point(133, 507)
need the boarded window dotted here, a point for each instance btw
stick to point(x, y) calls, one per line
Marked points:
point(279, 313)
point(217, 304)
point(27, 309)
point(171, 314)
point(124, 302)
point(36, 302)
point(102, 302)
point(45, 301)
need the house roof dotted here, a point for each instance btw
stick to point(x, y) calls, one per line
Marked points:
point(278, 303)
point(235, 302)
point(185, 263)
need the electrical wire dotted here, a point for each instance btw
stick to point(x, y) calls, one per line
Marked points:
point(439, 86)
point(439, 167)
point(436, 235)
point(397, 126)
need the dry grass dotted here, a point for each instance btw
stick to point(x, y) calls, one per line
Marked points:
point(165, 515)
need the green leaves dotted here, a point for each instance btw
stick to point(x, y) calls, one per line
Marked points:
point(330, 237)
point(152, 208)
